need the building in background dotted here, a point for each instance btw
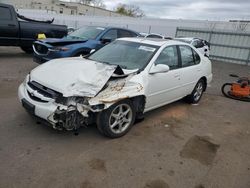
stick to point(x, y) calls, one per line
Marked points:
point(61, 7)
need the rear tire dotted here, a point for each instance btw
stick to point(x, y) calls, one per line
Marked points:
point(196, 94)
point(117, 120)
point(26, 49)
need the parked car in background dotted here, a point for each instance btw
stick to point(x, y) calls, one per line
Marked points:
point(14, 32)
point(154, 35)
point(70, 29)
point(202, 45)
point(79, 42)
point(116, 84)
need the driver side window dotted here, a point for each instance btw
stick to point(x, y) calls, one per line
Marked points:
point(111, 34)
point(168, 56)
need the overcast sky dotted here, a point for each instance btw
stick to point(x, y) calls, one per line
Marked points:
point(190, 9)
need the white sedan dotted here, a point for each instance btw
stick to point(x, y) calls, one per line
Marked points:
point(202, 45)
point(116, 84)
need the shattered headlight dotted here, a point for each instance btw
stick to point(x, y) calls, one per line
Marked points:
point(71, 101)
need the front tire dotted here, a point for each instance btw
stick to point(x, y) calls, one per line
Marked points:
point(117, 120)
point(196, 94)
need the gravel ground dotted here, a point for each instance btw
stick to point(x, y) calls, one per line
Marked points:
point(176, 146)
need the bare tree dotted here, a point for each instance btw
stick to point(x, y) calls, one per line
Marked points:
point(240, 25)
point(95, 3)
point(98, 3)
point(129, 10)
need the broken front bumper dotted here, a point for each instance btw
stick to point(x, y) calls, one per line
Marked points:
point(59, 116)
point(42, 110)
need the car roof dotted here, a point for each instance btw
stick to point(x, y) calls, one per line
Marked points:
point(108, 27)
point(152, 41)
point(188, 38)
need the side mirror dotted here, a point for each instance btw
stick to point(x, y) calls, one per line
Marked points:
point(106, 40)
point(159, 68)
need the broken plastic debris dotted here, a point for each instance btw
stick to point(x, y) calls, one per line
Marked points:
point(166, 125)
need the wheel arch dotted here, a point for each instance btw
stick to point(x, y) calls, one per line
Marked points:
point(205, 82)
point(139, 104)
point(85, 50)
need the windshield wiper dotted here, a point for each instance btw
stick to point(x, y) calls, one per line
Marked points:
point(105, 62)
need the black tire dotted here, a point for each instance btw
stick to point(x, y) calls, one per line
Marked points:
point(223, 89)
point(229, 95)
point(27, 50)
point(197, 93)
point(106, 118)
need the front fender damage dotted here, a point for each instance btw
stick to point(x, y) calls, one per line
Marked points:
point(76, 114)
point(118, 90)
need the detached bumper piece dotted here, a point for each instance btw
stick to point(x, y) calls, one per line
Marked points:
point(28, 106)
point(71, 119)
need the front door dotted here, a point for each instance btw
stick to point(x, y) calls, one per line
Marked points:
point(164, 88)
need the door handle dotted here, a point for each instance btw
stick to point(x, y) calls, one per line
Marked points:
point(177, 76)
point(198, 70)
point(12, 25)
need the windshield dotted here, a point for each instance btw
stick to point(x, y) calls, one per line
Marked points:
point(86, 33)
point(128, 55)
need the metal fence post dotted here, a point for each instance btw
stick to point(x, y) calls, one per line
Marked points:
point(248, 58)
point(176, 31)
point(149, 29)
point(210, 36)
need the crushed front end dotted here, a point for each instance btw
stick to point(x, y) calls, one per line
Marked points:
point(63, 113)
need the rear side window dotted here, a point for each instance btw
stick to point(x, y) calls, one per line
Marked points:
point(187, 58)
point(5, 13)
point(197, 58)
point(124, 33)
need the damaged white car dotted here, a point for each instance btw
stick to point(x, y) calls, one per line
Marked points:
point(115, 85)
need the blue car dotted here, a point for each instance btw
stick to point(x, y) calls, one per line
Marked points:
point(79, 42)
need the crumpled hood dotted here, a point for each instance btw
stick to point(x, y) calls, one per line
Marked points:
point(73, 76)
point(62, 41)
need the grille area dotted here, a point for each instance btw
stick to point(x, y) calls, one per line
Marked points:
point(42, 90)
point(40, 49)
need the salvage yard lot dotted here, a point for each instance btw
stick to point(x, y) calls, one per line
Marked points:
point(176, 146)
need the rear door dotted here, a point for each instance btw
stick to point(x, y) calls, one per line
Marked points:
point(191, 68)
point(8, 26)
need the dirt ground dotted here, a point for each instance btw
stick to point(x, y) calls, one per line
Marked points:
point(176, 146)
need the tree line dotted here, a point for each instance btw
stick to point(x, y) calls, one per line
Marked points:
point(123, 9)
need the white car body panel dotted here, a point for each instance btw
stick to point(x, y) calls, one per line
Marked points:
point(69, 76)
point(85, 78)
